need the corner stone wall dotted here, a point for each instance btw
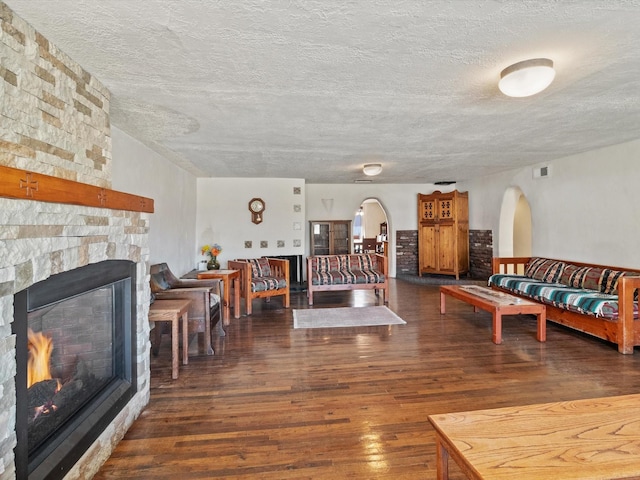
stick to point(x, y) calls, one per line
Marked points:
point(55, 121)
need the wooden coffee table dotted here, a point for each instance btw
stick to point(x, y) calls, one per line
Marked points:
point(594, 438)
point(498, 304)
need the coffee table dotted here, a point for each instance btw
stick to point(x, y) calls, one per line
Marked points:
point(578, 439)
point(498, 304)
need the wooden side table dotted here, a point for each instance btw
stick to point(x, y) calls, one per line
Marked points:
point(228, 278)
point(172, 311)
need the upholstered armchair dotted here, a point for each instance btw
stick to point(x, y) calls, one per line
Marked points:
point(262, 278)
point(204, 311)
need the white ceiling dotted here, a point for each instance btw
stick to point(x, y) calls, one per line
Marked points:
point(315, 89)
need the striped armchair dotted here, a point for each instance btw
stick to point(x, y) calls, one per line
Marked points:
point(262, 278)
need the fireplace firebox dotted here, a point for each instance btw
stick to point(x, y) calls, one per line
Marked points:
point(75, 352)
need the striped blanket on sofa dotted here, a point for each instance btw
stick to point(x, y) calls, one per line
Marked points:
point(587, 290)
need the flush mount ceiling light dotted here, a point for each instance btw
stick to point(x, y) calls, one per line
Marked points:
point(527, 78)
point(372, 169)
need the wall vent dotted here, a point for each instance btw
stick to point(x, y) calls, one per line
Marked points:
point(541, 172)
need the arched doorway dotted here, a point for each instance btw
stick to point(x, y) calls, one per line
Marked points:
point(370, 225)
point(515, 230)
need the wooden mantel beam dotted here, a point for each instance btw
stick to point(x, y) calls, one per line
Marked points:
point(26, 185)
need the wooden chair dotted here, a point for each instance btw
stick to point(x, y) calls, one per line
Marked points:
point(204, 295)
point(262, 278)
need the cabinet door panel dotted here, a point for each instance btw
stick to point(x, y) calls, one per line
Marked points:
point(447, 257)
point(428, 212)
point(428, 252)
point(341, 238)
point(446, 209)
point(320, 238)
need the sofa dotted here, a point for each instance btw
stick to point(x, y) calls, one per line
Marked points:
point(347, 272)
point(204, 310)
point(262, 278)
point(599, 300)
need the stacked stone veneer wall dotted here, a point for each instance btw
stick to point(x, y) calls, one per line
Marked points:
point(55, 115)
point(480, 253)
point(55, 120)
point(406, 252)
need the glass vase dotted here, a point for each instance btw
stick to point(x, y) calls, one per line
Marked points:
point(213, 264)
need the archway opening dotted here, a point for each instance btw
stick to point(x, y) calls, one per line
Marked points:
point(370, 228)
point(515, 229)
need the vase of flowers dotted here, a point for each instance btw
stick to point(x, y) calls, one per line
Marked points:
point(212, 251)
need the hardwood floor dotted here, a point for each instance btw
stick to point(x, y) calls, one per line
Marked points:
point(278, 403)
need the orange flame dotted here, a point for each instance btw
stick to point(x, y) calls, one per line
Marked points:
point(38, 366)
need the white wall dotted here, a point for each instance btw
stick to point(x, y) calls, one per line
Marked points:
point(223, 217)
point(399, 201)
point(587, 209)
point(373, 217)
point(141, 171)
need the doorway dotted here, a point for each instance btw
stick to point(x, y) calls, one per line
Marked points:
point(515, 229)
point(370, 228)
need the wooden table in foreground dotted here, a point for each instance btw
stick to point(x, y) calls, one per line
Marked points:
point(228, 277)
point(499, 304)
point(597, 438)
point(172, 311)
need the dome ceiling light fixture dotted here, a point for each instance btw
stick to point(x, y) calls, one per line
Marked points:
point(372, 169)
point(527, 78)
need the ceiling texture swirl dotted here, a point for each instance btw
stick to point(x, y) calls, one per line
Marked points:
point(316, 89)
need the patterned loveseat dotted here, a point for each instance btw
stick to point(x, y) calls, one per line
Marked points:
point(595, 299)
point(347, 272)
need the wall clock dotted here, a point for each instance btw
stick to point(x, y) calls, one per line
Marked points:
point(256, 207)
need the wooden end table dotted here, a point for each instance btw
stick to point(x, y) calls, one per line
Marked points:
point(228, 278)
point(498, 304)
point(594, 438)
point(172, 311)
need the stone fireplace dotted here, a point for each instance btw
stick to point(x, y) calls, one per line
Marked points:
point(33, 256)
point(56, 123)
point(75, 354)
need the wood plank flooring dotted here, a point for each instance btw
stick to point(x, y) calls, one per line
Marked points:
point(278, 403)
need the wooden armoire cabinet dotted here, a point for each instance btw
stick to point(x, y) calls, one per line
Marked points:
point(331, 237)
point(443, 233)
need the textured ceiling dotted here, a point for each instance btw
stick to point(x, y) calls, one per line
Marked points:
point(316, 89)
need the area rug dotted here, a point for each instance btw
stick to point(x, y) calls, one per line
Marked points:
point(345, 317)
